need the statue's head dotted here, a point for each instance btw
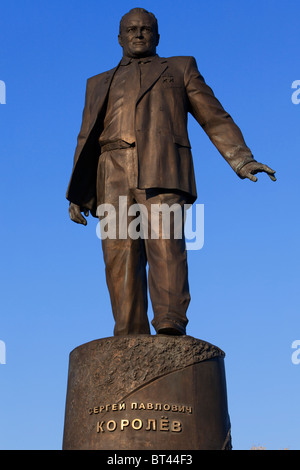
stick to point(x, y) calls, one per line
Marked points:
point(138, 34)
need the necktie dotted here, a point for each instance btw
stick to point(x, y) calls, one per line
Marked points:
point(131, 90)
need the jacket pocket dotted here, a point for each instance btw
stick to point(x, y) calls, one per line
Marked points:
point(181, 140)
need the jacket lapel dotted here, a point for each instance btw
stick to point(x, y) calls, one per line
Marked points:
point(158, 66)
point(100, 94)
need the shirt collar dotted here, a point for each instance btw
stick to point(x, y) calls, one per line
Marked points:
point(144, 60)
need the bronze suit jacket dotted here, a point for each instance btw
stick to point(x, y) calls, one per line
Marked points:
point(173, 88)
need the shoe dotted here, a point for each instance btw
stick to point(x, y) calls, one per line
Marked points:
point(171, 330)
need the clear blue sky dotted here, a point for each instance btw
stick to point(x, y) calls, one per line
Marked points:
point(244, 282)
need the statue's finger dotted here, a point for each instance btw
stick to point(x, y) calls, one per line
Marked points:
point(267, 169)
point(251, 177)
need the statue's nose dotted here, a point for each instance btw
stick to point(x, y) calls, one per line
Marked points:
point(139, 33)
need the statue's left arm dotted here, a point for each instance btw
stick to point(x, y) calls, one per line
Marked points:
point(219, 126)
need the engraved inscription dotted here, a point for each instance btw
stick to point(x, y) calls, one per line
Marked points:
point(161, 424)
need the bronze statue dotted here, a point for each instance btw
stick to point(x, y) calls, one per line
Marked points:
point(133, 142)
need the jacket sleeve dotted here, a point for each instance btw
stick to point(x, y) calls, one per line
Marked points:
point(79, 187)
point(216, 122)
point(82, 136)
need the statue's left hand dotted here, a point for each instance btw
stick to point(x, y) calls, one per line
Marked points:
point(250, 169)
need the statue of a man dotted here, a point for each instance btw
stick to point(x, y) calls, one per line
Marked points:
point(133, 142)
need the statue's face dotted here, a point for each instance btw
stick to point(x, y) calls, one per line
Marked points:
point(138, 36)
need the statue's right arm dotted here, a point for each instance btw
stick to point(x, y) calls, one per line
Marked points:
point(85, 122)
point(75, 211)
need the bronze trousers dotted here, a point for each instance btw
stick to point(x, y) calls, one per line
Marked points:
point(126, 255)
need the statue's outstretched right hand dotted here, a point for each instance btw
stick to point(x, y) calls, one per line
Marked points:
point(75, 214)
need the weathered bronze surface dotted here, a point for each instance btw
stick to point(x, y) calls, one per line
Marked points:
point(142, 392)
point(133, 142)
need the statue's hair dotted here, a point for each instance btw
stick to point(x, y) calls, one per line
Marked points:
point(139, 10)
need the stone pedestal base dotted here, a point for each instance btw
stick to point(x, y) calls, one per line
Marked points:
point(147, 392)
